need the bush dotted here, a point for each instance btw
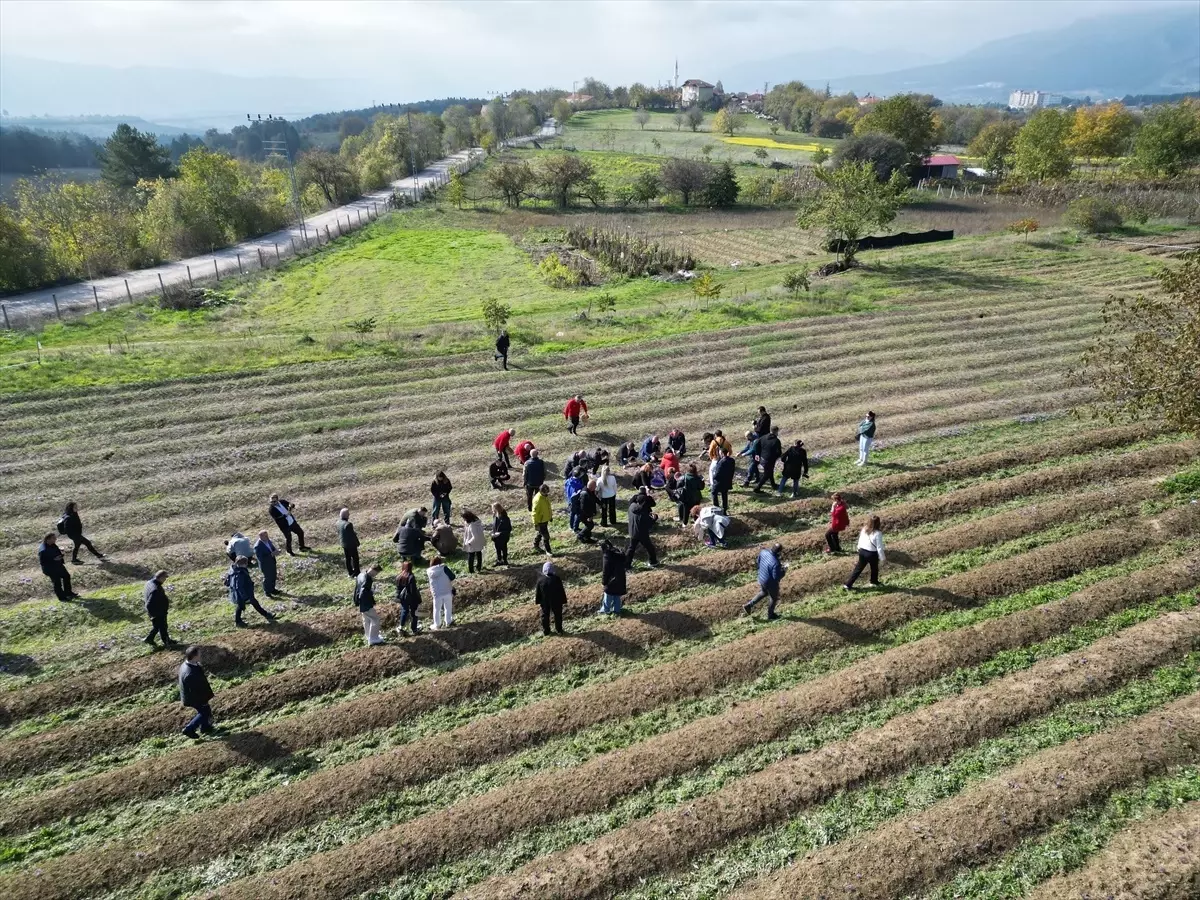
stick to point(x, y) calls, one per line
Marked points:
point(1023, 226)
point(795, 281)
point(495, 314)
point(1093, 215)
point(557, 273)
point(627, 253)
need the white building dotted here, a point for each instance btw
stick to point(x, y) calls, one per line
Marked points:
point(695, 91)
point(1033, 99)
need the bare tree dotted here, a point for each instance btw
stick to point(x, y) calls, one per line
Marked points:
point(685, 177)
point(641, 117)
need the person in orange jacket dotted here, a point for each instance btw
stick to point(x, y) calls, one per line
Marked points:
point(572, 412)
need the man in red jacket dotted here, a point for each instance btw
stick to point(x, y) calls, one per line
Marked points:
point(572, 411)
point(503, 442)
point(524, 451)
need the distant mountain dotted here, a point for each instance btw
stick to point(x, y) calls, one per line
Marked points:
point(98, 127)
point(1152, 52)
point(815, 67)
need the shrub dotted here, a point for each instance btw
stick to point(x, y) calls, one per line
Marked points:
point(795, 281)
point(557, 273)
point(496, 314)
point(707, 288)
point(1023, 226)
point(363, 326)
point(627, 253)
point(1093, 215)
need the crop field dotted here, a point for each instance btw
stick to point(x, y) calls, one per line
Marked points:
point(1014, 713)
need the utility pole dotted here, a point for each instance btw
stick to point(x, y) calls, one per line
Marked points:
point(412, 157)
point(277, 147)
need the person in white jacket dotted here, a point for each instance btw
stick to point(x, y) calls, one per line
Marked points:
point(870, 552)
point(606, 490)
point(473, 540)
point(441, 590)
point(710, 525)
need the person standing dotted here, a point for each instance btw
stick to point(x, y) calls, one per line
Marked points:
point(795, 467)
point(157, 603)
point(770, 448)
point(364, 599)
point(71, 526)
point(441, 590)
point(282, 511)
point(719, 444)
point(440, 489)
point(691, 489)
point(502, 344)
point(751, 450)
point(50, 558)
point(503, 442)
point(241, 591)
point(572, 486)
point(542, 514)
point(348, 538)
point(723, 472)
point(606, 489)
point(573, 411)
point(640, 524)
point(195, 693)
point(501, 532)
point(473, 540)
point(839, 521)
point(866, 437)
point(762, 422)
point(612, 579)
point(870, 552)
point(770, 573)
point(265, 552)
point(408, 595)
point(551, 596)
point(533, 476)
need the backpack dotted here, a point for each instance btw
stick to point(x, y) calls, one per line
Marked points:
point(61, 525)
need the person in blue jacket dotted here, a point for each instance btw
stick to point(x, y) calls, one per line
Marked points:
point(770, 573)
point(241, 591)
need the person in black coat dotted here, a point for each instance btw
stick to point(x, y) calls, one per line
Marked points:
point(50, 557)
point(677, 441)
point(348, 538)
point(627, 455)
point(533, 476)
point(408, 595)
point(498, 472)
point(612, 578)
point(640, 524)
point(282, 512)
point(503, 342)
point(585, 504)
point(195, 693)
point(770, 448)
point(795, 467)
point(501, 532)
point(410, 541)
point(157, 603)
point(723, 475)
point(551, 596)
point(72, 526)
point(762, 422)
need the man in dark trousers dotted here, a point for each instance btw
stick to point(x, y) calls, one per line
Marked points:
point(348, 538)
point(551, 596)
point(795, 467)
point(572, 411)
point(640, 523)
point(501, 353)
point(72, 526)
point(195, 693)
point(281, 511)
point(722, 480)
point(264, 552)
point(770, 448)
point(584, 505)
point(50, 557)
point(762, 422)
point(534, 476)
point(770, 573)
point(410, 539)
point(157, 603)
point(241, 591)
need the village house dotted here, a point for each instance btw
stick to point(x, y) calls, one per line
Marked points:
point(695, 92)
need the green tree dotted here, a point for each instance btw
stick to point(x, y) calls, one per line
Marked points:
point(994, 145)
point(646, 186)
point(728, 121)
point(906, 117)
point(495, 314)
point(563, 111)
point(329, 172)
point(761, 155)
point(130, 156)
point(685, 177)
point(694, 116)
point(456, 128)
point(23, 263)
point(456, 190)
point(707, 288)
point(851, 203)
point(1169, 140)
point(351, 126)
point(563, 175)
point(1146, 360)
point(882, 151)
point(796, 281)
point(641, 117)
point(1040, 149)
point(512, 178)
point(1094, 215)
point(820, 155)
point(722, 186)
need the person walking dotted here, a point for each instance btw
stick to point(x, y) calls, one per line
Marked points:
point(503, 443)
point(762, 422)
point(542, 514)
point(770, 573)
point(866, 437)
point(502, 345)
point(691, 490)
point(533, 476)
point(238, 545)
point(50, 558)
point(770, 448)
point(551, 596)
point(441, 590)
point(575, 409)
point(283, 512)
point(583, 508)
point(612, 579)
point(196, 694)
point(752, 451)
point(795, 467)
point(473, 541)
point(408, 595)
point(870, 553)
point(265, 552)
point(501, 532)
point(640, 524)
point(348, 538)
point(156, 601)
point(723, 472)
point(364, 599)
point(498, 473)
point(606, 490)
point(241, 591)
point(71, 526)
point(440, 489)
point(839, 521)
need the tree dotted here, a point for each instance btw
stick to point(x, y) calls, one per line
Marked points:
point(23, 263)
point(796, 281)
point(1101, 131)
point(1094, 215)
point(694, 115)
point(563, 175)
point(685, 177)
point(1040, 149)
point(820, 155)
point(773, 128)
point(761, 155)
point(512, 178)
point(994, 145)
point(456, 190)
point(130, 156)
point(727, 121)
point(456, 128)
point(1146, 360)
point(851, 203)
point(329, 172)
point(1169, 140)
point(707, 288)
point(495, 314)
point(646, 186)
point(1023, 226)
point(722, 186)
point(906, 117)
point(882, 151)
point(353, 125)
point(680, 117)
point(641, 117)
point(563, 111)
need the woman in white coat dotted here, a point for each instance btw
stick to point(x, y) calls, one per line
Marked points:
point(473, 540)
point(441, 589)
point(870, 552)
point(606, 490)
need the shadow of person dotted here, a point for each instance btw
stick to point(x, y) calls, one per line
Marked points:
point(126, 570)
point(109, 610)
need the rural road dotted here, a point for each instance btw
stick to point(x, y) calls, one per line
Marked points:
point(114, 289)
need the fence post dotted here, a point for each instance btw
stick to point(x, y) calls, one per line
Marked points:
point(189, 271)
point(261, 264)
point(294, 250)
point(96, 298)
point(216, 270)
point(128, 293)
point(359, 217)
point(240, 272)
point(327, 237)
point(162, 287)
point(7, 327)
point(57, 311)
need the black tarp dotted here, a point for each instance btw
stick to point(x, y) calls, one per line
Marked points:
point(903, 239)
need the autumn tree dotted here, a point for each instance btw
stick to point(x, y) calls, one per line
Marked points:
point(1101, 132)
point(994, 145)
point(851, 203)
point(728, 121)
point(1040, 148)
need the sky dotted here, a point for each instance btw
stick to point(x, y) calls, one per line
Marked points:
point(422, 49)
